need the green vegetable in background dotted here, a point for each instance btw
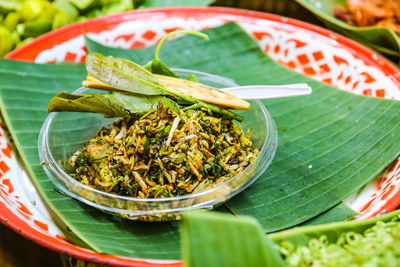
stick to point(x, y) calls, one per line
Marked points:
point(224, 240)
point(36, 17)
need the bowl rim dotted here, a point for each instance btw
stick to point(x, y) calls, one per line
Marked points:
point(53, 169)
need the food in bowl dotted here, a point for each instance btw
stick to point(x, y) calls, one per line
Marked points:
point(362, 13)
point(164, 153)
point(152, 98)
point(165, 144)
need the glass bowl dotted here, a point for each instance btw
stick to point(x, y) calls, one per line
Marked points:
point(63, 133)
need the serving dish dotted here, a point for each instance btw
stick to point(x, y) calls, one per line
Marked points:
point(381, 39)
point(342, 63)
point(53, 153)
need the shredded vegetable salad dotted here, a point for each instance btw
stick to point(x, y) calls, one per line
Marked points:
point(164, 153)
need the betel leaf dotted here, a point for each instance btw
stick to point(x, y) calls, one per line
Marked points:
point(111, 105)
point(123, 74)
point(156, 66)
point(293, 202)
point(218, 239)
point(331, 143)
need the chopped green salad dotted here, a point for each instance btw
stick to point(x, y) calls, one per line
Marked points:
point(164, 153)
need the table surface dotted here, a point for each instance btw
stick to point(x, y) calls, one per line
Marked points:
point(16, 251)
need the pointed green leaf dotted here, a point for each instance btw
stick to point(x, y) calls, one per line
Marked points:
point(123, 74)
point(158, 67)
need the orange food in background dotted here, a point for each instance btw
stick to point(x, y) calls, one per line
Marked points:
point(381, 13)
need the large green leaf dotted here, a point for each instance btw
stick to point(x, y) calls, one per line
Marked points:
point(380, 38)
point(340, 212)
point(347, 139)
point(217, 239)
point(331, 143)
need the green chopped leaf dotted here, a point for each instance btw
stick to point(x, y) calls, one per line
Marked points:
point(372, 242)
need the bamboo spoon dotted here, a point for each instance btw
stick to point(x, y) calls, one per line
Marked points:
point(232, 97)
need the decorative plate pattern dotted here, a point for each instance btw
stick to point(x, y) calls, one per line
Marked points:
point(310, 50)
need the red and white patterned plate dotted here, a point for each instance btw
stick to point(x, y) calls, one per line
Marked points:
point(316, 52)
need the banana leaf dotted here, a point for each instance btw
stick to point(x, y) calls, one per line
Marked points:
point(340, 212)
point(381, 39)
point(322, 141)
point(347, 139)
point(211, 238)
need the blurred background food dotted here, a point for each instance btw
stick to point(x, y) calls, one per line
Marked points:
point(23, 20)
point(373, 23)
point(381, 13)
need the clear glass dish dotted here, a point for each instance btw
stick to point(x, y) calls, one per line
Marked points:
point(63, 133)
